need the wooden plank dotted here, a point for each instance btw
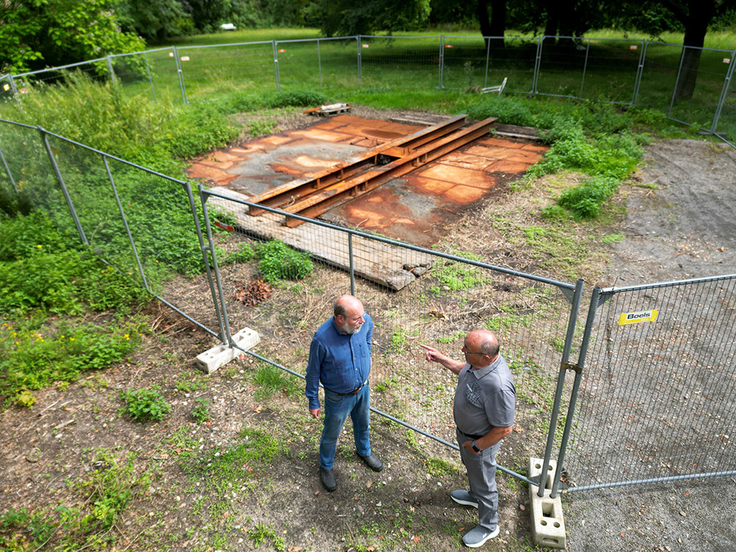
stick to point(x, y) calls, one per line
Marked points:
point(381, 263)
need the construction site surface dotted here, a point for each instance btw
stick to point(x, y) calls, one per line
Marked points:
point(405, 179)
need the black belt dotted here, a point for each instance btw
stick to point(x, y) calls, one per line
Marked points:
point(355, 392)
point(473, 437)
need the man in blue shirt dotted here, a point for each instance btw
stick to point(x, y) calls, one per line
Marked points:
point(485, 400)
point(340, 358)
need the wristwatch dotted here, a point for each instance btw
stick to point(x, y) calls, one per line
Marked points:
point(475, 447)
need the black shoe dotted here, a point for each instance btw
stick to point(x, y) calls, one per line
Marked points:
point(328, 479)
point(373, 462)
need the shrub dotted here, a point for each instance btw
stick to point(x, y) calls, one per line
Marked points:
point(145, 404)
point(242, 254)
point(34, 357)
point(278, 261)
point(201, 413)
point(585, 200)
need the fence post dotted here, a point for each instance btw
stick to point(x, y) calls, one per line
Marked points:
point(352, 269)
point(537, 64)
point(125, 223)
point(7, 170)
point(110, 70)
point(564, 365)
point(220, 308)
point(319, 63)
point(640, 71)
point(276, 66)
point(359, 42)
point(594, 302)
point(441, 67)
point(64, 191)
point(181, 76)
point(12, 84)
point(585, 67)
point(724, 91)
point(488, 56)
point(148, 70)
point(677, 81)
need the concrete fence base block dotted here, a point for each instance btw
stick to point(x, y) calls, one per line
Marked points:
point(548, 525)
point(218, 356)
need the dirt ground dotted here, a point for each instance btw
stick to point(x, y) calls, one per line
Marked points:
point(683, 227)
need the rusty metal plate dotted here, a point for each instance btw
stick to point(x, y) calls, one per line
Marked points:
point(417, 208)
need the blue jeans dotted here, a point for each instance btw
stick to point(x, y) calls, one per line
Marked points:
point(337, 409)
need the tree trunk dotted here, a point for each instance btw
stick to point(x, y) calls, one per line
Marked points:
point(700, 14)
point(481, 11)
point(553, 18)
point(498, 22)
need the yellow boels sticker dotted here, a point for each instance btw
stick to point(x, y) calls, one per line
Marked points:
point(635, 317)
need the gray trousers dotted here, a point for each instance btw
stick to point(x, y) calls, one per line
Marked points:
point(482, 480)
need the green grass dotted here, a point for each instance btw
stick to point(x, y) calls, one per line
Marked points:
point(103, 495)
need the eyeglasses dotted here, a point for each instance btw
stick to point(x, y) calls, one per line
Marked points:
point(465, 350)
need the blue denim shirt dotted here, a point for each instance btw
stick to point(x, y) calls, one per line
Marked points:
point(341, 362)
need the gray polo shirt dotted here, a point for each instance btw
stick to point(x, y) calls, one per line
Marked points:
point(484, 398)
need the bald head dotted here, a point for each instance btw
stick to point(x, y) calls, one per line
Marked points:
point(481, 343)
point(349, 314)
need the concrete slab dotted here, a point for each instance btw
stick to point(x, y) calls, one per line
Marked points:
point(548, 524)
point(216, 357)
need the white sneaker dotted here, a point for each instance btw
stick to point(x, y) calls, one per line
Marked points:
point(478, 536)
point(465, 498)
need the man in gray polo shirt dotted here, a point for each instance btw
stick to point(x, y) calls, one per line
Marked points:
point(485, 399)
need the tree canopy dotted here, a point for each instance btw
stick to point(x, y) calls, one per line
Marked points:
point(43, 33)
point(47, 33)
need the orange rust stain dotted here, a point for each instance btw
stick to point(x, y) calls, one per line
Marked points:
point(276, 140)
point(509, 167)
point(464, 194)
point(500, 143)
point(324, 135)
point(504, 153)
point(430, 185)
point(388, 135)
point(465, 161)
point(211, 174)
point(449, 173)
point(535, 147)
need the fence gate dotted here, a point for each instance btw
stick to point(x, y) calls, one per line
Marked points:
point(657, 397)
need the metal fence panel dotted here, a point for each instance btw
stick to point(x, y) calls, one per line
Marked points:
point(319, 63)
point(700, 109)
point(227, 69)
point(659, 76)
point(726, 124)
point(562, 66)
point(25, 168)
point(400, 61)
point(611, 69)
point(96, 70)
point(473, 63)
point(414, 296)
point(658, 394)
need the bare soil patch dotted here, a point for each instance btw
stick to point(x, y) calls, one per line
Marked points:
point(683, 227)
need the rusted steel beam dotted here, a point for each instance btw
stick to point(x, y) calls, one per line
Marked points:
point(296, 189)
point(323, 200)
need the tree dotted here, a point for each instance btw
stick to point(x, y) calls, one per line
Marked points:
point(206, 14)
point(155, 20)
point(496, 25)
point(691, 16)
point(39, 33)
point(348, 17)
